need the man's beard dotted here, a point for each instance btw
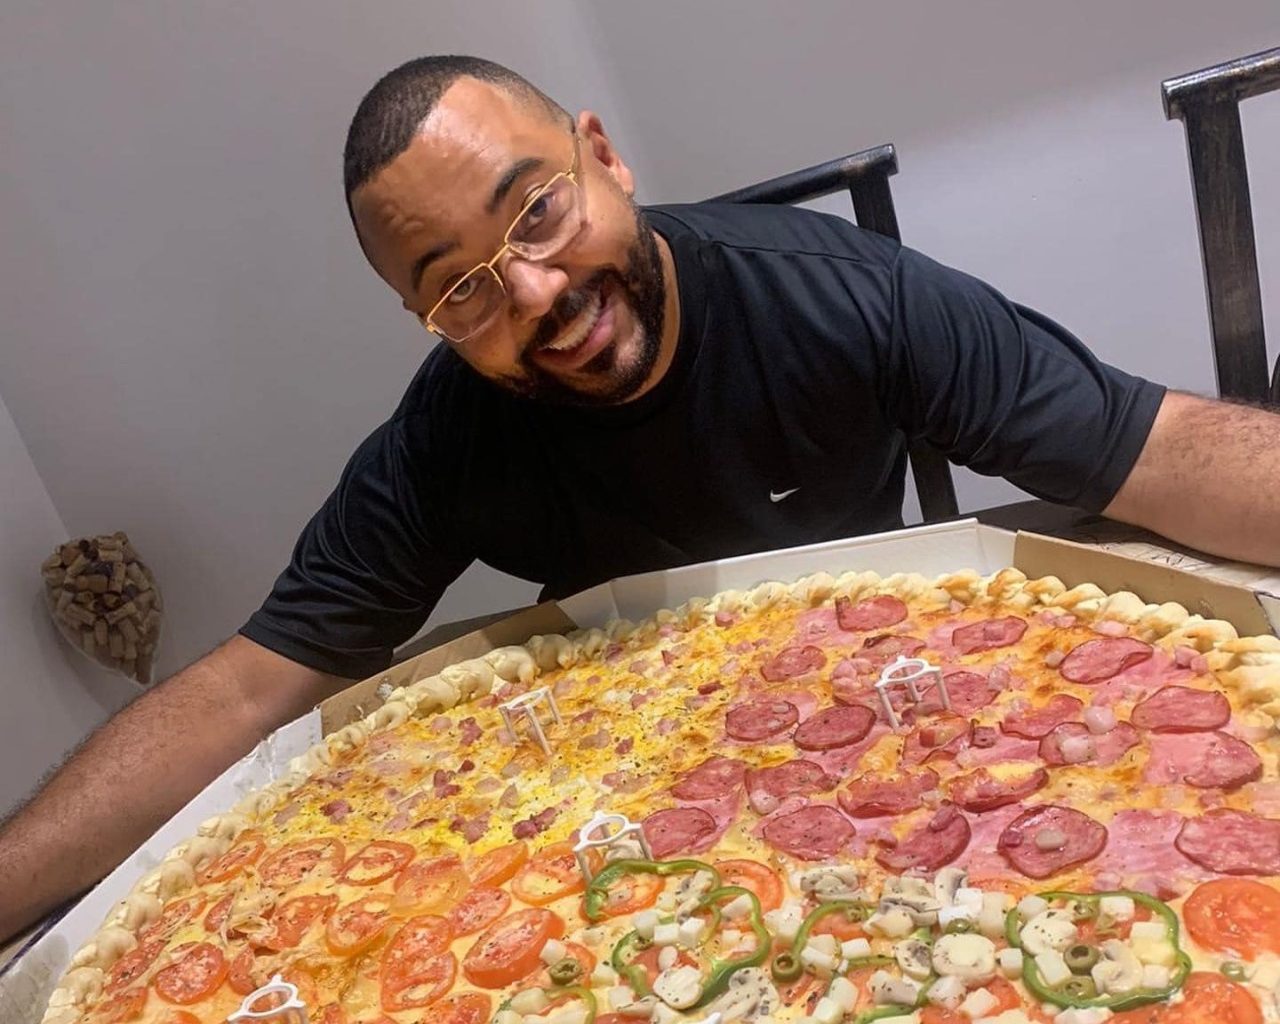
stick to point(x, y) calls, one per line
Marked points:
point(641, 288)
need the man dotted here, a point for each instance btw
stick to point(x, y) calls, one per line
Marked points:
point(622, 390)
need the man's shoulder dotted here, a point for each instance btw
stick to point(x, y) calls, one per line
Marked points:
point(773, 228)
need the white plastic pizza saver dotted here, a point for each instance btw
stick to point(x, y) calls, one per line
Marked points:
point(596, 834)
point(909, 672)
point(291, 1011)
point(526, 705)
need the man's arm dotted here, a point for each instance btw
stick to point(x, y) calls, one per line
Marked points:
point(141, 767)
point(1207, 477)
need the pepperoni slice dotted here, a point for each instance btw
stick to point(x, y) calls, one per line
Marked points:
point(835, 727)
point(1095, 661)
point(1232, 842)
point(967, 692)
point(768, 787)
point(1034, 723)
point(943, 737)
point(199, 970)
point(131, 966)
point(678, 830)
point(794, 661)
point(882, 649)
point(870, 796)
point(760, 720)
point(979, 790)
point(988, 635)
point(1071, 837)
point(1207, 760)
point(1104, 749)
point(940, 841)
point(715, 777)
point(873, 613)
point(1182, 709)
point(175, 914)
point(811, 833)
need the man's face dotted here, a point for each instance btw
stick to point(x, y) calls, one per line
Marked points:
point(584, 326)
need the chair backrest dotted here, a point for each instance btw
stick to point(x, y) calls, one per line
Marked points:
point(1208, 103)
point(866, 175)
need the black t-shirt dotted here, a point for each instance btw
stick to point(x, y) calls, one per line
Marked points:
point(809, 350)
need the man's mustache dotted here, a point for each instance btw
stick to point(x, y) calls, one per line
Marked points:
point(566, 309)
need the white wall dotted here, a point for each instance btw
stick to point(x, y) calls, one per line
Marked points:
point(192, 344)
point(49, 695)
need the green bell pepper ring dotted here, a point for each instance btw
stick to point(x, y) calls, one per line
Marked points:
point(786, 966)
point(593, 900)
point(1125, 1001)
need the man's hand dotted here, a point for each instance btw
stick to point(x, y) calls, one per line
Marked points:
point(140, 768)
point(1207, 477)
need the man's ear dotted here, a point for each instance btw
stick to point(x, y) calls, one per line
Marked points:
point(597, 142)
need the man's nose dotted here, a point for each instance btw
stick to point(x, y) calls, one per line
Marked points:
point(532, 287)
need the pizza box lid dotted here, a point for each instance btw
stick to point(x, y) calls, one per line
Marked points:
point(1244, 596)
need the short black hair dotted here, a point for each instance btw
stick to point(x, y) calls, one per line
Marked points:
point(392, 111)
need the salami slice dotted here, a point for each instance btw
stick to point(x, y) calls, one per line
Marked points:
point(1033, 723)
point(979, 790)
point(873, 613)
point(760, 720)
point(988, 635)
point(815, 832)
point(1207, 760)
point(928, 848)
point(1232, 842)
point(1045, 840)
point(715, 777)
point(1182, 709)
point(678, 830)
point(969, 693)
point(943, 736)
point(835, 727)
point(768, 787)
point(794, 661)
point(1072, 743)
point(1095, 661)
point(870, 796)
point(882, 649)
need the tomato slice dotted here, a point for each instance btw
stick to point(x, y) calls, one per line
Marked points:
point(175, 914)
point(508, 949)
point(125, 971)
point(586, 963)
point(551, 873)
point(247, 849)
point(415, 969)
point(244, 975)
point(841, 925)
point(468, 1008)
point(498, 865)
point(1206, 997)
point(121, 1007)
point(759, 878)
point(291, 920)
point(1234, 915)
point(198, 969)
point(304, 858)
point(478, 909)
point(358, 925)
point(218, 913)
point(630, 893)
point(178, 1017)
point(378, 861)
point(429, 886)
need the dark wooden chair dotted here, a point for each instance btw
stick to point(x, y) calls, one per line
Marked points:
point(1208, 103)
point(866, 176)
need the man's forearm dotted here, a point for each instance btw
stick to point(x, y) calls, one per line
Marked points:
point(135, 772)
point(1207, 478)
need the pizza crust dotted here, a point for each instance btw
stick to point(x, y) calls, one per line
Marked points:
point(1249, 665)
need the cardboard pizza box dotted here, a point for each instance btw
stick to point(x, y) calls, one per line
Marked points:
point(1155, 573)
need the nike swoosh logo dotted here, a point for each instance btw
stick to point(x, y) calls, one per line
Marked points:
point(776, 497)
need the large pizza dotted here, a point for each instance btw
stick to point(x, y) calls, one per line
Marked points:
point(840, 800)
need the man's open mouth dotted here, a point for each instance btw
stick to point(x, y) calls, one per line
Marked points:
point(584, 336)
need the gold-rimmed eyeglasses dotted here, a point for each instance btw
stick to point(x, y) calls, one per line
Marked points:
point(548, 221)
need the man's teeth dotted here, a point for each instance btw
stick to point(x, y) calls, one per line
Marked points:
point(577, 334)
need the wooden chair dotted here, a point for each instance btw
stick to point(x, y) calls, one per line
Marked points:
point(1208, 103)
point(866, 175)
